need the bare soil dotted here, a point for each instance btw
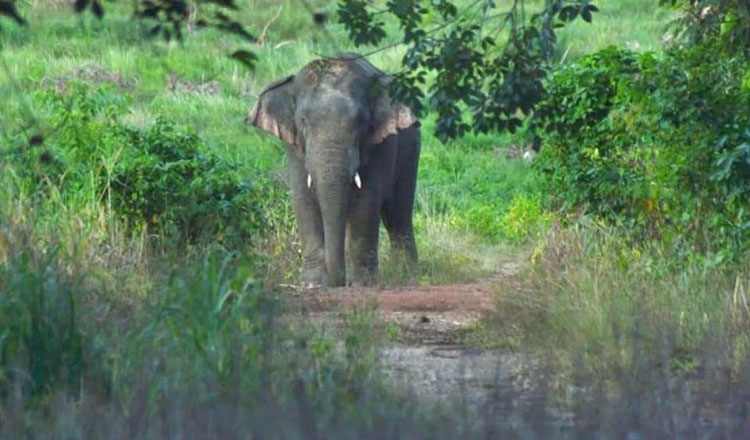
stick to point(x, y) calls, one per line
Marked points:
point(426, 357)
point(425, 315)
point(423, 312)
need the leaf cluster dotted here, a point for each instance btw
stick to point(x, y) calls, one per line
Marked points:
point(726, 23)
point(165, 180)
point(477, 61)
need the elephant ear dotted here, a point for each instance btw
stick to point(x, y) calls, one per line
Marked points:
point(388, 117)
point(274, 111)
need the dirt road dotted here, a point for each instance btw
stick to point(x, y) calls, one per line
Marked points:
point(426, 357)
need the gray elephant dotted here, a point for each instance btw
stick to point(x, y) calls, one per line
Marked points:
point(352, 156)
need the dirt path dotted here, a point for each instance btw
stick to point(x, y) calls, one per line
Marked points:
point(426, 358)
point(424, 315)
point(429, 315)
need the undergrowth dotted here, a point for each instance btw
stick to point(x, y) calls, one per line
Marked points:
point(206, 355)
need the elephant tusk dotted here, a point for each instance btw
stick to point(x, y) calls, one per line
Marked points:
point(358, 181)
point(309, 181)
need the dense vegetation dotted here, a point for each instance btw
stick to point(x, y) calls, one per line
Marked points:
point(144, 231)
point(660, 143)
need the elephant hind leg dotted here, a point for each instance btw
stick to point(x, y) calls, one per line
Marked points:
point(398, 210)
point(400, 229)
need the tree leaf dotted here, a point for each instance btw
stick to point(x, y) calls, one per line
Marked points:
point(247, 58)
point(80, 5)
point(97, 9)
point(8, 8)
point(586, 15)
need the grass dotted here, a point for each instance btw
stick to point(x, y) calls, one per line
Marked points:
point(126, 335)
point(636, 24)
point(631, 340)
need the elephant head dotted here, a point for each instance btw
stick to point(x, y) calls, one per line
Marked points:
point(330, 114)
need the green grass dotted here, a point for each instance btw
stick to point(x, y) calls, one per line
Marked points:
point(636, 24)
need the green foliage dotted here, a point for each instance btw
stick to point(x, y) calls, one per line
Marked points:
point(468, 186)
point(584, 166)
point(160, 177)
point(213, 325)
point(471, 69)
point(525, 218)
point(723, 23)
point(85, 130)
point(658, 143)
point(42, 345)
point(163, 178)
point(206, 346)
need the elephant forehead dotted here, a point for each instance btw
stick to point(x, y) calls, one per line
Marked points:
point(327, 102)
point(317, 70)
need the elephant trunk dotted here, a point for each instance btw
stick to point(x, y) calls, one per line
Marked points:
point(332, 188)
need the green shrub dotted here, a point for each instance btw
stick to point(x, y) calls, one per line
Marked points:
point(659, 144)
point(162, 177)
point(84, 131)
point(584, 165)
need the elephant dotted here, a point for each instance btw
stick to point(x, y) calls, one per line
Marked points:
point(352, 160)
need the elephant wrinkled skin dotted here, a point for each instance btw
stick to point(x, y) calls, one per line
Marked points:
point(353, 155)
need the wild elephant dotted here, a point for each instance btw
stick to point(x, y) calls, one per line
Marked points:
point(353, 155)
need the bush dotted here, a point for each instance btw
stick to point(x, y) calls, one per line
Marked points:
point(165, 180)
point(658, 144)
point(162, 177)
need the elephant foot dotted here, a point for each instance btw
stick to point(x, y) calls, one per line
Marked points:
point(314, 278)
point(365, 278)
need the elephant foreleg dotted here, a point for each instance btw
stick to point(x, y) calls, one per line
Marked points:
point(362, 237)
point(309, 225)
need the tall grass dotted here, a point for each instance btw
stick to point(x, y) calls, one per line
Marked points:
point(205, 355)
point(631, 339)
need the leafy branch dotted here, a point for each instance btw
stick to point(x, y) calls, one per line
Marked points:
point(476, 64)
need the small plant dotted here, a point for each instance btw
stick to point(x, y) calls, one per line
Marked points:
point(525, 218)
point(164, 177)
